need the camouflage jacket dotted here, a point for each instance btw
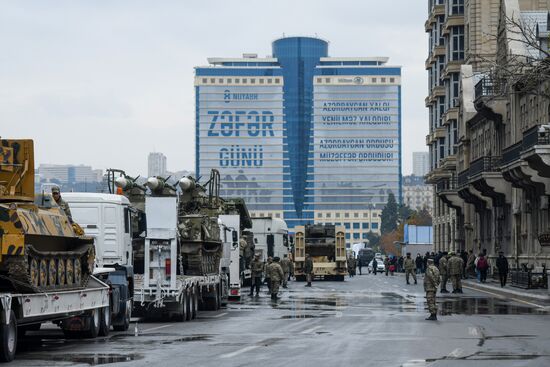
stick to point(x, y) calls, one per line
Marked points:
point(257, 268)
point(409, 264)
point(285, 265)
point(275, 272)
point(65, 207)
point(431, 279)
point(308, 266)
point(455, 265)
point(443, 265)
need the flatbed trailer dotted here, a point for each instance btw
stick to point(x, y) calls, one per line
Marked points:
point(80, 313)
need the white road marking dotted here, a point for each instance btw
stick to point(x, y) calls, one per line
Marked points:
point(214, 316)
point(155, 328)
point(239, 351)
point(473, 331)
point(312, 329)
point(455, 353)
point(503, 296)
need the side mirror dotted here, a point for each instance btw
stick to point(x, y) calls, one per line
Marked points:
point(235, 236)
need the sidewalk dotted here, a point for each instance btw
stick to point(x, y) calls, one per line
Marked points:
point(538, 296)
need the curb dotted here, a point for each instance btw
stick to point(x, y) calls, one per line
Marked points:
point(507, 292)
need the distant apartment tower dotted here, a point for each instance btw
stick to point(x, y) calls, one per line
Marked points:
point(421, 163)
point(417, 194)
point(66, 173)
point(156, 164)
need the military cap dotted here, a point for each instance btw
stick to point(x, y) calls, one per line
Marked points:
point(55, 189)
point(430, 261)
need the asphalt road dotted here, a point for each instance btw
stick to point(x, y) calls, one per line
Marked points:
point(365, 321)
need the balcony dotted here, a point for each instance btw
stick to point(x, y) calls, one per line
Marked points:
point(452, 21)
point(486, 178)
point(484, 164)
point(536, 149)
point(440, 133)
point(446, 189)
point(511, 154)
point(488, 87)
point(462, 179)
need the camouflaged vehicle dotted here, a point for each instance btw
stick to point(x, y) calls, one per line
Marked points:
point(40, 248)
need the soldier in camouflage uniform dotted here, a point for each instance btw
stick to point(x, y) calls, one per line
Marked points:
point(409, 266)
point(431, 282)
point(444, 272)
point(267, 279)
point(456, 265)
point(257, 269)
point(285, 265)
point(56, 193)
point(308, 270)
point(276, 275)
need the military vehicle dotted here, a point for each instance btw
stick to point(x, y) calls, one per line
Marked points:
point(326, 244)
point(46, 263)
point(42, 249)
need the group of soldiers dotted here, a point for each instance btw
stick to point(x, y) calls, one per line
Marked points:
point(451, 267)
point(277, 271)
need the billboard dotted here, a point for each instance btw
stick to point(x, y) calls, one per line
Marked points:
point(240, 133)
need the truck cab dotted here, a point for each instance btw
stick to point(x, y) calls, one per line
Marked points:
point(107, 218)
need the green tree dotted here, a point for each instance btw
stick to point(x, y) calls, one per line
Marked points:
point(389, 215)
point(374, 240)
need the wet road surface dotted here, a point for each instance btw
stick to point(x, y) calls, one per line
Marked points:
point(365, 321)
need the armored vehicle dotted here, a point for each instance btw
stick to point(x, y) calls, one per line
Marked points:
point(41, 249)
point(326, 245)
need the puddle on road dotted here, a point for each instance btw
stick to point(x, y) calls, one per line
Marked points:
point(484, 306)
point(302, 316)
point(91, 359)
point(188, 339)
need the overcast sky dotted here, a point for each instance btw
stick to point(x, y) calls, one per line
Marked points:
point(104, 83)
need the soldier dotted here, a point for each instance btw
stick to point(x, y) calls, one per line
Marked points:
point(444, 271)
point(455, 267)
point(308, 270)
point(243, 246)
point(351, 266)
point(256, 267)
point(56, 193)
point(409, 266)
point(285, 265)
point(276, 274)
point(267, 275)
point(431, 282)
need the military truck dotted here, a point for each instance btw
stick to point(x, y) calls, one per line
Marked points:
point(326, 244)
point(46, 261)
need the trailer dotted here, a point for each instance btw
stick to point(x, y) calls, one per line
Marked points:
point(270, 237)
point(80, 313)
point(163, 290)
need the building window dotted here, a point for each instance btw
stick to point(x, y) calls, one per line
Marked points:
point(392, 80)
point(213, 80)
point(347, 225)
point(278, 215)
point(382, 80)
point(356, 225)
point(457, 43)
point(229, 80)
point(373, 80)
point(356, 236)
point(261, 80)
point(374, 226)
point(457, 7)
point(327, 80)
point(337, 215)
point(319, 80)
point(277, 80)
point(319, 215)
point(245, 81)
point(269, 81)
point(346, 215)
point(204, 80)
point(348, 236)
point(252, 81)
point(365, 226)
point(365, 215)
point(237, 81)
point(365, 236)
point(220, 81)
point(328, 215)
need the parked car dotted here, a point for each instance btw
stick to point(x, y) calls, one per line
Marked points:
point(379, 266)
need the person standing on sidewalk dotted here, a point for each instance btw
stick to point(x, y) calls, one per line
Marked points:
point(360, 265)
point(386, 265)
point(502, 266)
point(431, 282)
point(482, 266)
point(444, 271)
point(470, 264)
point(257, 269)
point(374, 266)
point(285, 265)
point(455, 271)
point(418, 262)
point(409, 266)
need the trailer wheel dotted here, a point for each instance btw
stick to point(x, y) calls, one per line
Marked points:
point(127, 316)
point(189, 304)
point(181, 316)
point(94, 321)
point(105, 321)
point(8, 338)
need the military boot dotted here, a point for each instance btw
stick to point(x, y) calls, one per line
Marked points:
point(432, 317)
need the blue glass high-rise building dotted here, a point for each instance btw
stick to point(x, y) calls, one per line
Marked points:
point(301, 135)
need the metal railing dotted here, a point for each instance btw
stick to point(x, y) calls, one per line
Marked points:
point(511, 154)
point(532, 137)
point(487, 87)
point(485, 164)
point(463, 178)
point(529, 279)
point(448, 184)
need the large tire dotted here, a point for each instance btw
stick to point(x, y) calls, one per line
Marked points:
point(126, 318)
point(8, 338)
point(181, 316)
point(189, 303)
point(95, 323)
point(105, 321)
point(194, 304)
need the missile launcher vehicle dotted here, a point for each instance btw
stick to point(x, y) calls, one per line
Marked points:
point(41, 249)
